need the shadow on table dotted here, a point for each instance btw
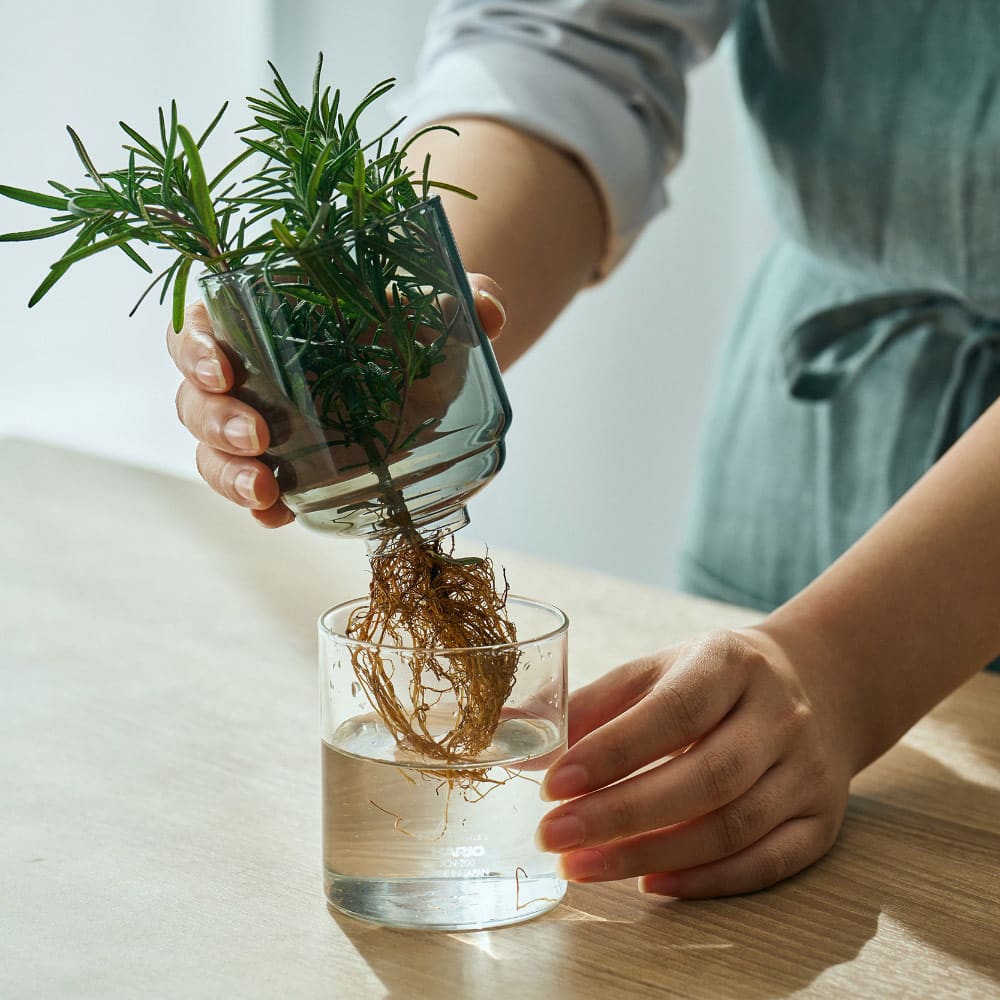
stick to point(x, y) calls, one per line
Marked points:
point(604, 941)
point(578, 952)
point(936, 877)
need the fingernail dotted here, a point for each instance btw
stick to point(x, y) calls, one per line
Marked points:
point(558, 834)
point(244, 484)
point(660, 884)
point(564, 783)
point(582, 865)
point(205, 339)
point(209, 372)
point(498, 305)
point(241, 432)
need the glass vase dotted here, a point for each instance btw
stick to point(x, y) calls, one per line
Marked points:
point(410, 840)
point(367, 360)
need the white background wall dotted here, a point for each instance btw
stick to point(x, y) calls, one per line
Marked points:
point(607, 408)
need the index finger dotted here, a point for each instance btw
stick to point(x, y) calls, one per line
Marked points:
point(697, 691)
point(196, 352)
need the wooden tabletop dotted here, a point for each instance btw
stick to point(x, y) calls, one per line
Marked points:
point(159, 788)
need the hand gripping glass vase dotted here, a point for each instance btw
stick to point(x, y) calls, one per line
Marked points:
point(367, 360)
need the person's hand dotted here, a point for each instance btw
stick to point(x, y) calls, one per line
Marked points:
point(230, 433)
point(744, 776)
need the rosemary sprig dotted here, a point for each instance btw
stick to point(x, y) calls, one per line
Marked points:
point(309, 179)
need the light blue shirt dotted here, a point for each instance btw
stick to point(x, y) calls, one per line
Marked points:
point(602, 80)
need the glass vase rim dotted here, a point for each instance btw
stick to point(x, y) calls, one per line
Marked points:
point(424, 205)
point(560, 629)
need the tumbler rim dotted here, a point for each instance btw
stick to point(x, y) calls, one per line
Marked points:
point(559, 629)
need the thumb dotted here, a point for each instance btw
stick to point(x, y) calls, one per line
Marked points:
point(488, 297)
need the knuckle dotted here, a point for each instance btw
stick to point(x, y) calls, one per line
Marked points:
point(680, 707)
point(721, 776)
point(200, 462)
point(736, 827)
point(197, 330)
point(225, 481)
point(190, 412)
point(197, 322)
point(615, 759)
point(180, 403)
point(739, 653)
point(826, 829)
point(818, 777)
point(218, 472)
point(621, 817)
point(204, 417)
point(796, 719)
point(830, 823)
point(774, 863)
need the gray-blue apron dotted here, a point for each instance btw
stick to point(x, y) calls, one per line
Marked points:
point(870, 338)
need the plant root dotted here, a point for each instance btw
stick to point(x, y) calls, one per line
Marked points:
point(447, 617)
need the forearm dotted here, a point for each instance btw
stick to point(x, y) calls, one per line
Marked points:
point(536, 226)
point(913, 609)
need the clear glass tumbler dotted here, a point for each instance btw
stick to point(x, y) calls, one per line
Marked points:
point(410, 841)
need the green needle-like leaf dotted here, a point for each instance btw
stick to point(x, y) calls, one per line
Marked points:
point(199, 187)
point(134, 256)
point(228, 169)
point(180, 292)
point(211, 126)
point(445, 186)
point(39, 234)
point(169, 145)
point(33, 197)
point(316, 177)
point(55, 273)
point(112, 241)
point(145, 145)
point(81, 151)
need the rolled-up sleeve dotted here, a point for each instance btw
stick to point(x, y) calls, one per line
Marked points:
point(603, 80)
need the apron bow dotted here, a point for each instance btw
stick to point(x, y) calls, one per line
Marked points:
point(874, 323)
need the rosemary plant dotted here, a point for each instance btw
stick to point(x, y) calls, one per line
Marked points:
point(354, 318)
point(309, 203)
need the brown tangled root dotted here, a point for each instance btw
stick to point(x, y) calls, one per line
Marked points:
point(423, 599)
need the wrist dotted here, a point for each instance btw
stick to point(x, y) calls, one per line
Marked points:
point(907, 613)
point(833, 681)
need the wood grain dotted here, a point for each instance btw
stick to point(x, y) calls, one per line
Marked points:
point(159, 794)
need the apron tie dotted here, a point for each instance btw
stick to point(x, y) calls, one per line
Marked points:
point(881, 319)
